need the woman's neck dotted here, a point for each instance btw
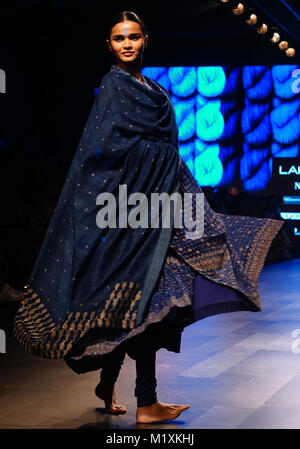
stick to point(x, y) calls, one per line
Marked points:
point(134, 70)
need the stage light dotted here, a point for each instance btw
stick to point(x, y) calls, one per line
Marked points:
point(262, 29)
point(239, 10)
point(252, 19)
point(283, 45)
point(290, 52)
point(268, 30)
point(275, 38)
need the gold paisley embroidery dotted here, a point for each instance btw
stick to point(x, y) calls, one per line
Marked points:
point(37, 332)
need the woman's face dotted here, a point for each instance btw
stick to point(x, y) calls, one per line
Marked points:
point(127, 42)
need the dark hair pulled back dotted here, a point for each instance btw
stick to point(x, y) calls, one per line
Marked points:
point(127, 15)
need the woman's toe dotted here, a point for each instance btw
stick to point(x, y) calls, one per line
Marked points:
point(117, 408)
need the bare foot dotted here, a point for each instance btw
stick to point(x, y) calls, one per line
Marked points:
point(107, 393)
point(159, 412)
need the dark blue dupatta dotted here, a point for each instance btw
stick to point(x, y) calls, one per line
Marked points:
point(90, 277)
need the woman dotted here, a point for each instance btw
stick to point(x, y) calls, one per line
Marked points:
point(96, 292)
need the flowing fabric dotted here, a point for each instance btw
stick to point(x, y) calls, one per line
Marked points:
point(94, 288)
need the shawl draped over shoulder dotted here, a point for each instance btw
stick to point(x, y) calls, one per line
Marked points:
point(90, 277)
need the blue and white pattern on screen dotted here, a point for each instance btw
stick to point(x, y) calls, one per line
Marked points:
point(233, 121)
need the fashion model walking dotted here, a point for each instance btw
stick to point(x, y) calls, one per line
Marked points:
point(96, 292)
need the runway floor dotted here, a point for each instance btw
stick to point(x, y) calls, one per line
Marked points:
point(237, 371)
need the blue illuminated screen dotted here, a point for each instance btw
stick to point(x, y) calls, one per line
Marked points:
point(232, 121)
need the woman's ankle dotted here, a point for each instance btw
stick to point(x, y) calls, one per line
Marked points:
point(143, 406)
